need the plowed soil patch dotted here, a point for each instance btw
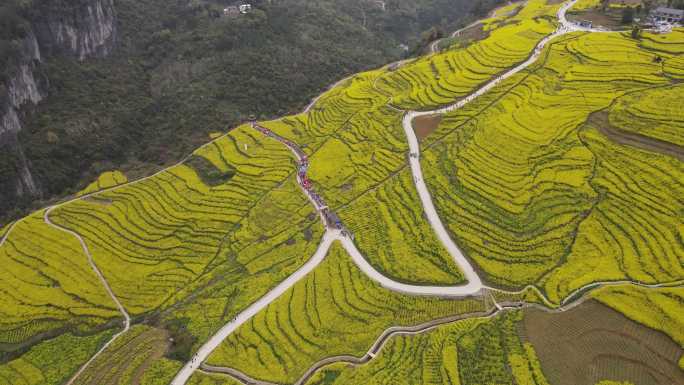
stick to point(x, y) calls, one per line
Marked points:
point(633, 139)
point(426, 125)
point(592, 342)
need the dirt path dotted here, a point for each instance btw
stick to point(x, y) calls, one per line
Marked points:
point(105, 284)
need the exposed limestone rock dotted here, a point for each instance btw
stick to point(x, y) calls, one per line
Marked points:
point(86, 29)
point(83, 29)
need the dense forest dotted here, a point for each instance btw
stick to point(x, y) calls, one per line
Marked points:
point(182, 69)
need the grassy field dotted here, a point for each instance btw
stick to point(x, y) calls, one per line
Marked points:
point(536, 195)
point(52, 362)
point(335, 310)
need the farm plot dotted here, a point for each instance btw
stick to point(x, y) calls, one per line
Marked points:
point(656, 114)
point(632, 231)
point(515, 178)
point(162, 243)
point(658, 309)
point(126, 360)
point(159, 234)
point(393, 234)
point(363, 176)
point(332, 112)
point(210, 302)
point(52, 362)
point(430, 358)
point(472, 351)
point(200, 378)
point(440, 79)
point(335, 310)
point(106, 180)
point(161, 372)
point(592, 342)
point(46, 283)
point(360, 170)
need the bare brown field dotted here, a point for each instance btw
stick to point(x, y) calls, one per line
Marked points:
point(612, 18)
point(470, 35)
point(633, 139)
point(426, 125)
point(592, 342)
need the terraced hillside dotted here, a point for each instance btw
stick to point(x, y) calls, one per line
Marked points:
point(439, 79)
point(53, 361)
point(554, 161)
point(47, 285)
point(535, 190)
point(357, 154)
point(168, 251)
point(470, 351)
point(335, 311)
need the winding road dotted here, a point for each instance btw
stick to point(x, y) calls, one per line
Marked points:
point(335, 231)
point(474, 283)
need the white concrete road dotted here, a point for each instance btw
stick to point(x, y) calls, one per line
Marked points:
point(203, 353)
point(474, 284)
point(472, 287)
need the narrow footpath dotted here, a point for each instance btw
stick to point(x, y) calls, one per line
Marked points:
point(105, 284)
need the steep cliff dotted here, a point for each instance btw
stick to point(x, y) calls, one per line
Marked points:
point(84, 28)
point(23, 86)
point(80, 28)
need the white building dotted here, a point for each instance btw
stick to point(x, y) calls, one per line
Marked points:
point(669, 15)
point(231, 10)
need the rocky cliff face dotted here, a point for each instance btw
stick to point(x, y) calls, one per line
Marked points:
point(83, 29)
point(22, 87)
point(87, 28)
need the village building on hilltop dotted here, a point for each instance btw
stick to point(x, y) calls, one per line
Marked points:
point(236, 10)
point(669, 15)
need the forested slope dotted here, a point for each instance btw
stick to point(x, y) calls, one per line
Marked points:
point(178, 70)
